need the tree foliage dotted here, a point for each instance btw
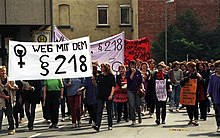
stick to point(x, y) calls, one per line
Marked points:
point(185, 38)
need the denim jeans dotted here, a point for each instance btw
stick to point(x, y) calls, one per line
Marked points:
point(175, 96)
point(134, 104)
point(1, 117)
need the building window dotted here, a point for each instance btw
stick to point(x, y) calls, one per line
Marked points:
point(64, 15)
point(102, 15)
point(125, 15)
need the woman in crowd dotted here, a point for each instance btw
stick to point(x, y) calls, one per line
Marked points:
point(120, 93)
point(162, 86)
point(202, 88)
point(192, 110)
point(134, 82)
point(74, 88)
point(91, 94)
point(31, 97)
point(146, 75)
point(214, 92)
point(8, 94)
point(18, 108)
point(151, 99)
point(176, 75)
point(105, 83)
point(53, 92)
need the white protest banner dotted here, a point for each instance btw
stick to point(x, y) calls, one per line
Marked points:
point(58, 36)
point(109, 50)
point(33, 61)
point(161, 91)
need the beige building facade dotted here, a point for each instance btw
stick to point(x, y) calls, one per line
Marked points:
point(95, 18)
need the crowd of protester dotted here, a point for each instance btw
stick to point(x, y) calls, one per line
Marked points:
point(127, 95)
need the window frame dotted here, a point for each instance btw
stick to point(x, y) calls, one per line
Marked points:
point(125, 6)
point(102, 7)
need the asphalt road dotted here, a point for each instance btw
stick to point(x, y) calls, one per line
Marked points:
point(175, 127)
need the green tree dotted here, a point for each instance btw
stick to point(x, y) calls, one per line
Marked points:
point(183, 40)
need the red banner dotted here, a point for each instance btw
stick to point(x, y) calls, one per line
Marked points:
point(137, 49)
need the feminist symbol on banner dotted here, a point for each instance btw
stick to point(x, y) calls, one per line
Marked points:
point(20, 51)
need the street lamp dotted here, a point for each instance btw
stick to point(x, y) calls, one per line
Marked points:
point(168, 1)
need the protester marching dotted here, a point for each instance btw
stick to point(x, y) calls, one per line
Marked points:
point(103, 76)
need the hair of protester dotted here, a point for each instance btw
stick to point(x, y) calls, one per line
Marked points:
point(191, 64)
point(175, 63)
point(144, 63)
point(217, 63)
point(132, 62)
point(94, 70)
point(121, 66)
point(151, 61)
point(107, 68)
point(161, 64)
point(202, 63)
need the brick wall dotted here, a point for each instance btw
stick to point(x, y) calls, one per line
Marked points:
point(151, 14)
point(206, 10)
point(151, 17)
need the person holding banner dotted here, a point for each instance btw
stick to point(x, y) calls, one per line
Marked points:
point(214, 92)
point(31, 97)
point(53, 92)
point(74, 88)
point(134, 82)
point(8, 93)
point(192, 107)
point(91, 94)
point(162, 85)
point(105, 83)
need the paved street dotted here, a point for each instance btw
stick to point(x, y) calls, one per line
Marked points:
point(176, 126)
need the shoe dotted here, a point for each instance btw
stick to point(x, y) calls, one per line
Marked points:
point(70, 117)
point(31, 128)
point(11, 132)
point(74, 125)
point(118, 120)
point(126, 120)
point(151, 115)
point(182, 107)
point(109, 128)
point(79, 124)
point(96, 128)
point(196, 123)
point(52, 126)
point(218, 129)
point(163, 122)
point(139, 120)
point(20, 121)
point(190, 122)
point(171, 110)
point(177, 110)
point(157, 122)
point(62, 119)
point(90, 121)
point(133, 123)
point(46, 121)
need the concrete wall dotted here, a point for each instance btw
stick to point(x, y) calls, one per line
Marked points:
point(25, 12)
point(83, 18)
